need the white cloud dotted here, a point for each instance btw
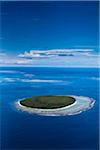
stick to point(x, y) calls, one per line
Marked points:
point(23, 61)
point(95, 78)
point(56, 52)
point(54, 58)
point(8, 71)
point(2, 54)
point(28, 75)
point(7, 80)
point(40, 80)
point(31, 80)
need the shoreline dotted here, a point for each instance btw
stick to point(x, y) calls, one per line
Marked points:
point(81, 104)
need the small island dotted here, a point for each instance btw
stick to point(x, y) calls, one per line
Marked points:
point(47, 102)
point(55, 105)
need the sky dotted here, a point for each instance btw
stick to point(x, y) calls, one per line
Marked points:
point(53, 34)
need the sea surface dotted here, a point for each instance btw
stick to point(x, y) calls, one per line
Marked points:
point(23, 131)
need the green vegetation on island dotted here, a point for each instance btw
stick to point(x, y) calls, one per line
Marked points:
point(47, 102)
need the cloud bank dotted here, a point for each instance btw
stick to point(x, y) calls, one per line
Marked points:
point(56, 52)
point(55, 58)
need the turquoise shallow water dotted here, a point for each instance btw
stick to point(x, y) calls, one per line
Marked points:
point(21, 130)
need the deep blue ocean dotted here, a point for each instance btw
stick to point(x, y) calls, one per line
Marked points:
point(23, 131)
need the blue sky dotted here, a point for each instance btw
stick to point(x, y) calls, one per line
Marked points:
point(63, 26)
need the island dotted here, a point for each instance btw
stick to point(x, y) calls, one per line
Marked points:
point(51, 105)
point(47, 102)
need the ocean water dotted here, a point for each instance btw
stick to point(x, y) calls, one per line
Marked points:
point(23, 131)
